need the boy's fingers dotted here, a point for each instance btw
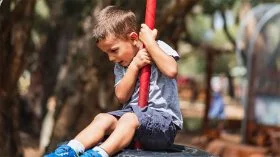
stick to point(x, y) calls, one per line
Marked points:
point(143, 50)
point(143, 25)
point(155, 31)
point(139, 44)
point(147, 54)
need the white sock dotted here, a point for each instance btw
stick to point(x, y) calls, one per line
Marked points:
point(76, 146)
point(101, 151)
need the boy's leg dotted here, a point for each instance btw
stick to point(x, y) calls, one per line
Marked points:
point(122, 134)
point(103, 123)
point(88, 137)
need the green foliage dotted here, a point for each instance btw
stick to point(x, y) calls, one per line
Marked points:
point(42, 9)
point(78, 8)
point(192, 64)
point(223, 63)
point(198, 25)
point(211, 6)
point(257, 2)
point(220, 38)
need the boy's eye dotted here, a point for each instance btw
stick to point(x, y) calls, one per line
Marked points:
point(114, 50)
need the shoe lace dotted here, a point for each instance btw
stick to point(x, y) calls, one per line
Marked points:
point(91, 153)
point(62, 149)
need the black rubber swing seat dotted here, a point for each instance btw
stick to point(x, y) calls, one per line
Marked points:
point(174, 151)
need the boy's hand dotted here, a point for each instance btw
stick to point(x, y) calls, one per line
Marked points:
point(141, 59)
point(146, 35)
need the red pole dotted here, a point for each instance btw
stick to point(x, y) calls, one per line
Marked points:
point(146, 71)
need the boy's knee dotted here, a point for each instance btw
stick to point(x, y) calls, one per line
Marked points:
point(104, 117)
point(130, 119)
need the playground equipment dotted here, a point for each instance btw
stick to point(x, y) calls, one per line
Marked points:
point(146, 71)
point(258, 51)
point(174, 151)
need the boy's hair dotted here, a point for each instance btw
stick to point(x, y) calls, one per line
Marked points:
point(113, 20)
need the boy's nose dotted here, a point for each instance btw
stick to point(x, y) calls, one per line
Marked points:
point(111, 58)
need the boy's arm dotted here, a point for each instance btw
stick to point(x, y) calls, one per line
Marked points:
point(166, 64)
point(124, 89)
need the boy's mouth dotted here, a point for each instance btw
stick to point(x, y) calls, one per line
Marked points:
point(121, 63)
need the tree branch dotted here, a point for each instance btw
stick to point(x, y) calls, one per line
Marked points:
point(173, 19)
point(230, 38)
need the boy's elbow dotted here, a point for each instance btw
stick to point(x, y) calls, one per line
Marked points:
point(121, 97)
point(172, 73)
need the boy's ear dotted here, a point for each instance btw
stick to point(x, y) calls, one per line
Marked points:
point(133, 36)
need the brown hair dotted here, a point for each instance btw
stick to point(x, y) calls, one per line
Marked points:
point(116, 21)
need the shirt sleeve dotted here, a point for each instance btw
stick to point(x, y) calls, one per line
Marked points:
point(168, 50)
point(118, 71)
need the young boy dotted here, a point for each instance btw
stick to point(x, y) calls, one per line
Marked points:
point(154, 126)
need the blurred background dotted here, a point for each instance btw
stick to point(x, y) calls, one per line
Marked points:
point(54, 80)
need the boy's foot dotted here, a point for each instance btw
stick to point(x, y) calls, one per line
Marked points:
point(91, 153)
point(63, 151)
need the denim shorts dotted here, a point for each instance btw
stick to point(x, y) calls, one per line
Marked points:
point(156, 130)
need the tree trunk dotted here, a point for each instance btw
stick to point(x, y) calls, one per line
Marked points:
point(209, 72)
point(77, 92)
point(14, 33)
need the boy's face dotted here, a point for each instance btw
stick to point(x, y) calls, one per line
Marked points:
point(119, 50)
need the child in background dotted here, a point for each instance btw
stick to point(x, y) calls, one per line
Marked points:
point(154, 126)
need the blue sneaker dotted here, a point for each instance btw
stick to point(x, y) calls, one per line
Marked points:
point(63, 151)
point(91, 153)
